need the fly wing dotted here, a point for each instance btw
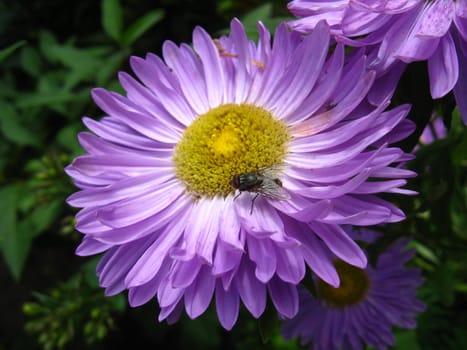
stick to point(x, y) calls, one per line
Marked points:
point(273, 171)
point(270, 188)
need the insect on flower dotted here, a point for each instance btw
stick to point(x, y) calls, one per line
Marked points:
point(263, 181)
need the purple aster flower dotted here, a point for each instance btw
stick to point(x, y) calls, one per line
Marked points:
point(368, 303)
point(230, 166)
point(408, 30)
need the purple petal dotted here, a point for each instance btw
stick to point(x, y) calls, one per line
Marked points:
point(202, 233)
point(112, 271)
point(443, 68)
point(167, 295)
point(184, 273)
point(274, 69)
point(133, 210)
point(336, 136)
point(226, 259)
point(127, 188)
point(314, 253)
point(262, 253)
point(229, 225)
point(90, 246)
point(330, 76)
point(251, 291)
point(168, 91)
point(340, 244)
point(227, 306)
point(199, 294)
point(417, 49)
point(130, 166)
point(263, 221)
point(112, 130)
point(386, 84)
point(302, 74)
point(460, 89)
point(312, 211)
point(213, 72)
point(290, 265)
point(188, 70)
point(333, 191)
point(142, 228)
point(151, 260)
point(284, 296)
point(436, 19)
point(242, 76)
point(118, 107)
point(142, 294)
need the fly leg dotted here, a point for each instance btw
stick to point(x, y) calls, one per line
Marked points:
point(253, 202)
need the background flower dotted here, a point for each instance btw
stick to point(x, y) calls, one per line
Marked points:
point(435, 130)
point(409, 31)
point(364, 309)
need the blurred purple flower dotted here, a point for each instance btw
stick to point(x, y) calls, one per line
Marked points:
point(435, 130)
point(364, 308)
point(405, 30)
point(156, 181)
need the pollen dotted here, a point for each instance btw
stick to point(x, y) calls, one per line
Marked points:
point(226, 141)
point(226, 144)
point(354, 286)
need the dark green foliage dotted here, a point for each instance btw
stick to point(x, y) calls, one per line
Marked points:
point(52, 54)
point(73, 314)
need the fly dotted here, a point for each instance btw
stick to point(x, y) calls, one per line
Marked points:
point(263, 181)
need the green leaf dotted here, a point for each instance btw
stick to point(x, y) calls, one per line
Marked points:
point(49, 98)
point(263, 13)
point(31, 61)
point(78, 58)
point(250, 20)
point(407, 340)
point(258, 14)
point(10, 49)
point(47, 41)
point(460, 150)
point(41, 217)
point(7, 212)
point(89, 272)
point(141, 26)
point(443, 280)
point(15, 243)
point(83, 63)
point(112, 19)
point(461, 287)
point(273, 22)
point(67, 137)
point(12, 129)
point(109, 67)
point(426, 252)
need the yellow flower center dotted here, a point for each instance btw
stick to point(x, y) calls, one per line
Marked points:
point(353, 287)
point(226, 141)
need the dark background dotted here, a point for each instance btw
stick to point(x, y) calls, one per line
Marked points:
point(49, 298)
